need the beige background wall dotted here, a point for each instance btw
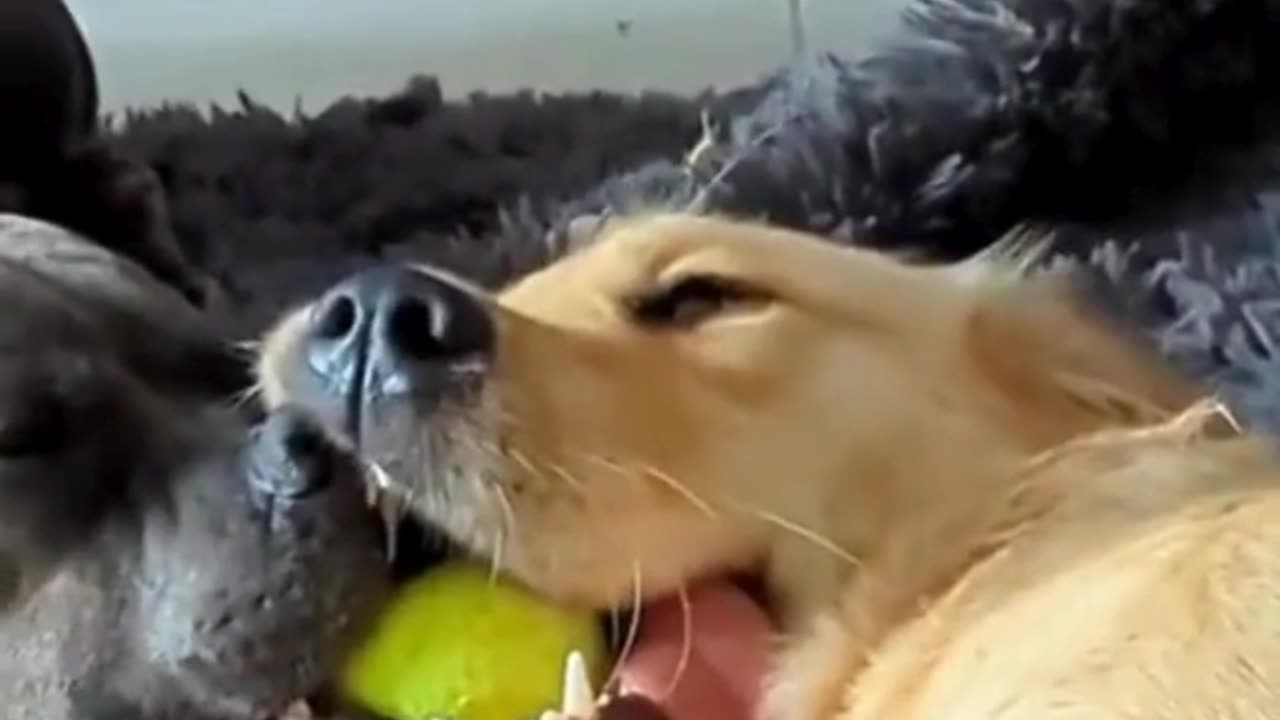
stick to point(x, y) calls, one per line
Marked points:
point(202, 50)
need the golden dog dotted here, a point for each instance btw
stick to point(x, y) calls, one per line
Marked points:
point(968, 496)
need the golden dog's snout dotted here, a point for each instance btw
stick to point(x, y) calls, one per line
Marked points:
point(396, 331)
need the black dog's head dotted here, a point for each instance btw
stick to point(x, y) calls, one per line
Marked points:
point(159, 557)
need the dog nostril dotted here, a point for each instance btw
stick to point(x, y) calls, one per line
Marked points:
point(417, 330)
point(313, 459)
point(337, 319)
point(304, 443)
point(294, 458)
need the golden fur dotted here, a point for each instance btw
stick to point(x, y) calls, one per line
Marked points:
point(970, 498)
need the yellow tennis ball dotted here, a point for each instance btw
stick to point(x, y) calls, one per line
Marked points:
point(456, 643)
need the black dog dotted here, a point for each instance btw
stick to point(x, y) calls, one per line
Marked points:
point(158, 560)
point(160, 556)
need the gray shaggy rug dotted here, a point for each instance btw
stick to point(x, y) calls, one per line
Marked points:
point(1139, 132)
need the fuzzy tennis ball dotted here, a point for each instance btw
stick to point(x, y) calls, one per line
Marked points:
point(457, 643)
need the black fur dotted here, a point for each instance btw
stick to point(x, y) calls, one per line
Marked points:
point(48, 90)
point(162, 560)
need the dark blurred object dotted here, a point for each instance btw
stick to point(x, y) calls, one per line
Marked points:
point(48, 90)
point(53, 164)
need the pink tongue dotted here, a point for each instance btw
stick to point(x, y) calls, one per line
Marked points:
point(725, 656)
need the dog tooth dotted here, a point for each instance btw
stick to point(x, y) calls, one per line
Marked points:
point(381, 495)
point(392, 512)
point(579, 700)
point(379, 476)
point(375, 482)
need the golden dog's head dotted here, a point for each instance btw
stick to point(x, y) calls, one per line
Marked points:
point(678, 396)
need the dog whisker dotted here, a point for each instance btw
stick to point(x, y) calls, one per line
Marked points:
point(686, 641)
point(633, 627)
point(540, 469)
point(508, 512)
point(607, 463)
point(805, 533)
point(665, 478)
point(249, 348)
point(499, 538)
point(495, 555)
point(506, 528)
point(565, 475)
point(520, 459)
point(683, 489)
point(245, 396)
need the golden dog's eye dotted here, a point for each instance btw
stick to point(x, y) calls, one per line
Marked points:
point(690, 300)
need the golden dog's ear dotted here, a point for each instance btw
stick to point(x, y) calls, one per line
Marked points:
point(1059, 362)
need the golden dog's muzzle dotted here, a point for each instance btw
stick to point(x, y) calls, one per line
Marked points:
point(389, 340)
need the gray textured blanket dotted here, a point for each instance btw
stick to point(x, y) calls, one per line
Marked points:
point(1138, 131)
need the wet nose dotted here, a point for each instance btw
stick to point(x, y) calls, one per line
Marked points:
point(392, 330)
point(292, 457)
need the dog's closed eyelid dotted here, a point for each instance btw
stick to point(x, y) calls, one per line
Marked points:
point(689, 300)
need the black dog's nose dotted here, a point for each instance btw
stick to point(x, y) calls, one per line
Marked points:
point(292, 458)
point(392, 329)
